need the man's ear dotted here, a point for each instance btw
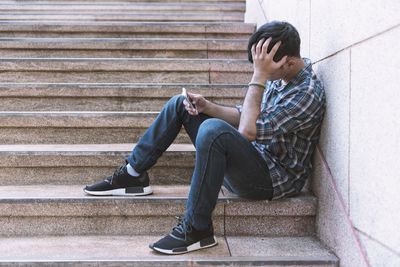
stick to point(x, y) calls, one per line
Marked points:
point(291, 61)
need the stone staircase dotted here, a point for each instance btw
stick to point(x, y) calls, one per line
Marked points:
point(80, 81)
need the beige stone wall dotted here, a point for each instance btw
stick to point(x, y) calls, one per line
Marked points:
point(355, 47)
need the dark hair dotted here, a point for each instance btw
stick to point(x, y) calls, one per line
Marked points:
point(279, 31)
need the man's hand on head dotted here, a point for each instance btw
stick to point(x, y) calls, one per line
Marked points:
point(265, 68)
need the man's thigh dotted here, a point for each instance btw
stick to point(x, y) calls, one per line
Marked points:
point(247, 173)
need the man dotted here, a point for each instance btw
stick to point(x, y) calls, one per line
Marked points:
point(261, 150)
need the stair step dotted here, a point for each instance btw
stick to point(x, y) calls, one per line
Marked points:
point(123, 48)
point(87, 164)
point(122, 7)
point(110, 70)
point(134, 251)
point(116, 2)
point(108, 97)
point(76, 127)
point(66, 210)
point(116, 16)
point(126, 30)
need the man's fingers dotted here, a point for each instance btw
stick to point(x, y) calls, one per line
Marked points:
point(274, 49)
point(281, 62)
point(189, 108)
point(191, 111)
point(259, 46)
point(265, 46)
point(187, 105)
point(194, 96)
point(253, 51)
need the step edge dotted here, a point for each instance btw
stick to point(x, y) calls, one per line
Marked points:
point(100, 23)
point(123, 85)
point(306, 198)
point(255, 261)
point(156, 60)
point(88, 148)
point(74, 40)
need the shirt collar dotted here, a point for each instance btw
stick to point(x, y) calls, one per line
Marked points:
point(297, 79)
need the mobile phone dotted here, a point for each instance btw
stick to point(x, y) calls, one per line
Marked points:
point(185, 95)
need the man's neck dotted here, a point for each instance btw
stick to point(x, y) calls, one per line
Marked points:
point(296, 68)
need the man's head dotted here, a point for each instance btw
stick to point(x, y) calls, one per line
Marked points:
point(279, 31)
point(290, 47)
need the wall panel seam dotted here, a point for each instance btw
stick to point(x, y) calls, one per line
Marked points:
point(349, 140)
point(358, 43)
point(342, 205)
point(377, 241)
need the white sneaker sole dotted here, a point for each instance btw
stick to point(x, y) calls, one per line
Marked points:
point(129, 191)
point(193, 247)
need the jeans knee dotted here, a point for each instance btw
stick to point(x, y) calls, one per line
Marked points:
point(175, 100)
point(211, 129)
point(175, 103)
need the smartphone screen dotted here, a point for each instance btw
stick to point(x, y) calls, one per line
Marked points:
point(184, 93)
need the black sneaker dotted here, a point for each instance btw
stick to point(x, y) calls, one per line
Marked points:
point(184, 238)
point(120, 183)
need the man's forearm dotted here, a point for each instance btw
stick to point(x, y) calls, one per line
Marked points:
point(250, 112)
point(265, 68)
point(229, 114)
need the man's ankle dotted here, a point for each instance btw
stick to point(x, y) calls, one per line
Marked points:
point(131, 171)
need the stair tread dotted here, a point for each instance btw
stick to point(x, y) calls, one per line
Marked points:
point(111, 6)
point(108, 97)
point(112, 250)
point(142, 95)
point(94, 40)
point(160, 192)
point(139, 65)
point(82, 148)
point(121, 16)
point(75, 192)
point(122, 7)
point(77, 113)
point(58, 210)
point(167, 70)
point(78, 119)
point(130, 23)
point(122, 48)
point(43, 28)
point(140, 60)
point(125, 43)
point(124, 85)
point(213, 88)
point(219, 13)
point(140, 26)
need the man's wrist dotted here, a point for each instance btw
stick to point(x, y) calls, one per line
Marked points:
point(257, 84)
point(259, 78)
point(207, 107)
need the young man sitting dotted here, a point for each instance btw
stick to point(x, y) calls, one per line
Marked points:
point(261, 150)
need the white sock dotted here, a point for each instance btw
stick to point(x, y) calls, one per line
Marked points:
point(131, 170)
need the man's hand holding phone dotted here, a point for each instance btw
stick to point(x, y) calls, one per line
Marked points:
point(194, 103)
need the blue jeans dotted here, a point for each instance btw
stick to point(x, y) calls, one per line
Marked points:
point(223, 156)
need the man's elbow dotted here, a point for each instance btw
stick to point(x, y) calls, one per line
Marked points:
point(250, 135)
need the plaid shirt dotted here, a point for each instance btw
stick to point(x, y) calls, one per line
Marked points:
point(288, 129)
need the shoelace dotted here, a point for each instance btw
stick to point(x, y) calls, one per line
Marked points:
point(183, 227)
point(118, 172)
